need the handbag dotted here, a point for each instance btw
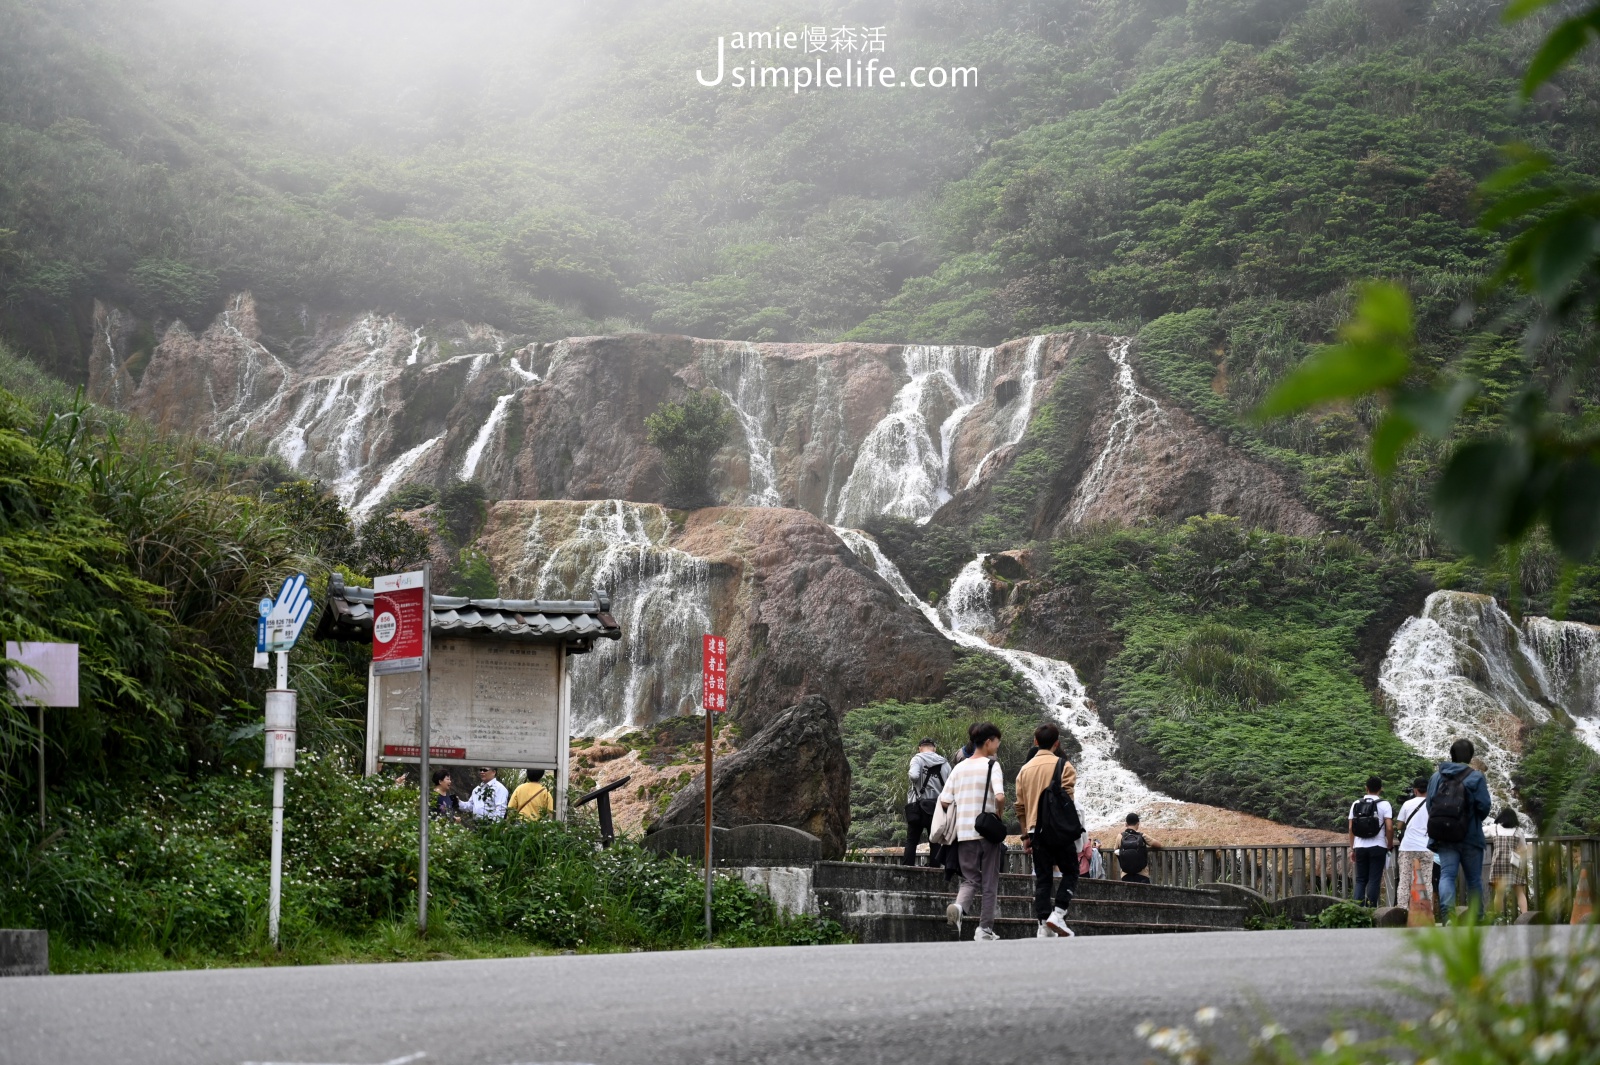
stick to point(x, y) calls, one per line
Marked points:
point(942, 833)
point(988, 823)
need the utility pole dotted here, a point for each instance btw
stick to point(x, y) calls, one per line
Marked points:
point(714, 699)
point(425, 731)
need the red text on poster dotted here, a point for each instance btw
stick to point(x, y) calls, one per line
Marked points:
point(714, 673)
point(397, 622)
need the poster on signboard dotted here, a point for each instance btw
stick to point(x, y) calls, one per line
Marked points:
point(491, 703)
point(398, 620)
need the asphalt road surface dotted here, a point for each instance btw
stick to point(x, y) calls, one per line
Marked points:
point(1027, 1001)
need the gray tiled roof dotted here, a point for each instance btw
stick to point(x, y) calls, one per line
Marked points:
point(347, 615)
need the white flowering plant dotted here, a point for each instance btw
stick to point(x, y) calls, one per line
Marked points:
point(1540, 1006)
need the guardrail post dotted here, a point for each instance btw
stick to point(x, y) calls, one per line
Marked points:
point(1299, 870)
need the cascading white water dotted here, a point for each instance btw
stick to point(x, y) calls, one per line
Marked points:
point(234, 422)
point(391, 477)
point(1107, 790)
point(744, 383)
point(660, 595)
point(1135, 411)
point(1463, 669)
point(901, 469)
point(1018, 425)
point(469, 464)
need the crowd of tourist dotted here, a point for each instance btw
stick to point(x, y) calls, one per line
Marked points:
point(1437, 837)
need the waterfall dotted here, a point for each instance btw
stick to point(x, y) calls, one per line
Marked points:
point(747, 394)
point(1018, 426)
point(1135, 410)
point(1107, 790)
point(660, 595)
point(1463, 669)
point(233, 423)
point(416, 346)
point(900, 468)
point(469, 465)
point(391, 477)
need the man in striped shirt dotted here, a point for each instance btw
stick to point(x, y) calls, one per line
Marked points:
point(975, 785)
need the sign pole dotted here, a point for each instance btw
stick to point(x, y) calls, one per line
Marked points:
point(708, 824)
point(275, 884)
point(424, 731)
point(41, 767)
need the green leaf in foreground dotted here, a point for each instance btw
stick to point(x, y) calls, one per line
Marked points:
point(1374, 353)
point(1478, 502)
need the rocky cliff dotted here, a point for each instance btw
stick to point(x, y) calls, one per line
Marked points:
point(795, 604)
point(846, 432)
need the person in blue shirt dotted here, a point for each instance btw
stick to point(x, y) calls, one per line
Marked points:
point(1466, 857)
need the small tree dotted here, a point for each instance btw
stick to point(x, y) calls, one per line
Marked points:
point(687, 434)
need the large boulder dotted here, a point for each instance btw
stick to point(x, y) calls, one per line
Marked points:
point(793, 772)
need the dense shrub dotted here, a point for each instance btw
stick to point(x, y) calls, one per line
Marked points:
point(185, 870)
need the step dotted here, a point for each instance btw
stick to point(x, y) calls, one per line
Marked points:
point(841, 902)
point(874, 877)
point(915, 928)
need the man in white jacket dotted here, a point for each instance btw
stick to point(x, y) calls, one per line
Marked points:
point(488, 802)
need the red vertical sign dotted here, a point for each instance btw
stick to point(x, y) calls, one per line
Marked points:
point(397, 621)
point(714, 674)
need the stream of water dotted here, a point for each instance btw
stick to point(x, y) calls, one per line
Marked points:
point(1107, 790)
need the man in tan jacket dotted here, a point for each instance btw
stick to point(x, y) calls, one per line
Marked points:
point(1032, 782)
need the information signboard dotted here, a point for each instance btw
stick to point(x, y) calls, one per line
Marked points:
point(398, 620)
point(714, 673)
point(55, 673)
point(491, 702)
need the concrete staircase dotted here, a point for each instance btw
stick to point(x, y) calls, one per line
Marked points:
point(901, 904)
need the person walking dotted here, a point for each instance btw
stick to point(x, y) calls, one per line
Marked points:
point(1458, 801)
point(927, 775)
point(1508, 862)
point(977, 787)
point(1371, 823)
point(532, 799)
point(1034, 781)
point(1411, 837)
point(488, 799)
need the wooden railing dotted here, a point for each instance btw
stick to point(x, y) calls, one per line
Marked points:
point(1279, 871)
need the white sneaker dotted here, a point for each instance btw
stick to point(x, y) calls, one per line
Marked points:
point(1043, 932)
point(952, 913)
point(984, 935)
point(1057, 925)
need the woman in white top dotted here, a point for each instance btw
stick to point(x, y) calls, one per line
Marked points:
point(1416, 861)
point(973, 786)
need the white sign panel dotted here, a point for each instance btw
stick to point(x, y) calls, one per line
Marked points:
point(491, 703)
point(287, 616)
point(57, 664)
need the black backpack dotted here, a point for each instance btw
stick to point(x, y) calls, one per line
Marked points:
point(926, 803)
point(1056, 821)
point(1364, 820)
point(1448, 819)
point(1133, 853)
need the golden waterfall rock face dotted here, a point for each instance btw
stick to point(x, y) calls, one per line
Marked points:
point(799, 610)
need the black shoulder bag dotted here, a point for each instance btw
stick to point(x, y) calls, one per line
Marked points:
point(988, 823)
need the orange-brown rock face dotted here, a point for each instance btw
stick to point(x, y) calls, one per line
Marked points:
point(802, 615)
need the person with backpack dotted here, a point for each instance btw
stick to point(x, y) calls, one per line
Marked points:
point(1411, 837)
point(928, 771)
point(1133, 852)
point(976, 790)
point(1458, 801)
point(1371, 822)
point(1050, 828)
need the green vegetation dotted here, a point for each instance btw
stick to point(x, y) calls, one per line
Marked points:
point(687, 434)
point(182, 872)
point(880, 738)
point(1238, 679)
point(1558, 781)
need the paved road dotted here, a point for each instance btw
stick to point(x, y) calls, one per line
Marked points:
point(1015, 1001)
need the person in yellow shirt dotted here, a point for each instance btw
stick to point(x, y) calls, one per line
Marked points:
point(1033, 781)
point(532, 799)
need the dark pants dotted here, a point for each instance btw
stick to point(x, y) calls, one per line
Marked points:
point(1135, 878)
point(1045, 862)
point(1369, 874)
point(915, 830)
